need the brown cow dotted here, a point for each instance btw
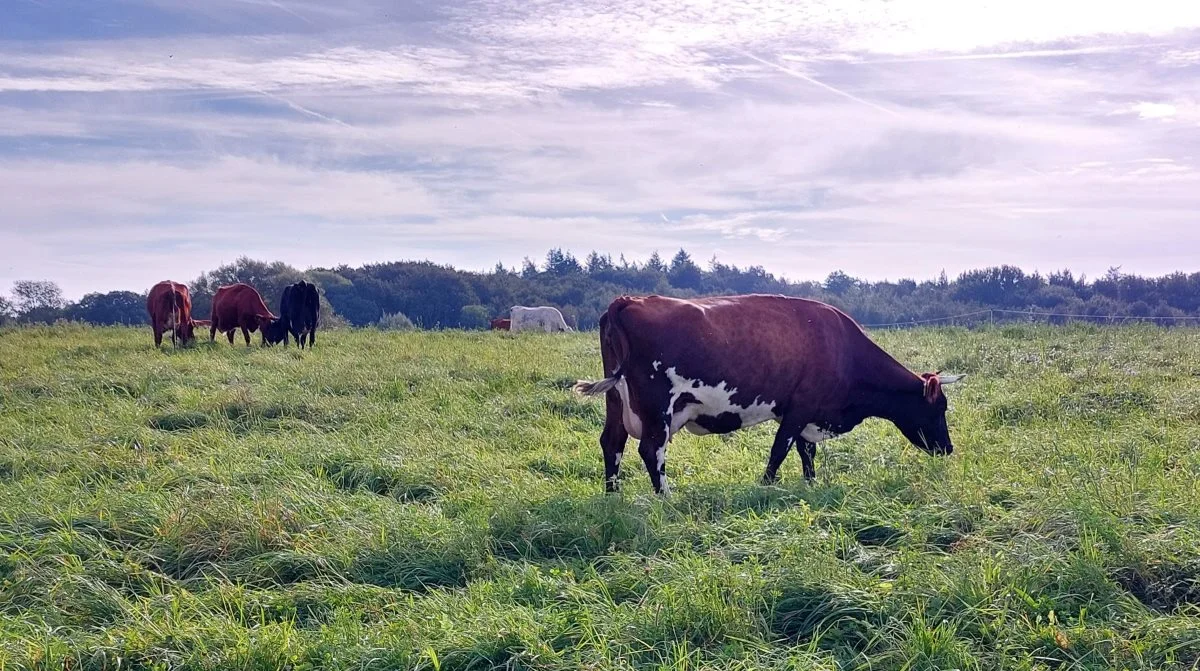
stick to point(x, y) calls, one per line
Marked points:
point(239, 306)
point(501, 324)
point(715, 365)
point(170, 307)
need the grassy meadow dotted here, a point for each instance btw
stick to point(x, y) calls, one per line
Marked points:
point(427, 500)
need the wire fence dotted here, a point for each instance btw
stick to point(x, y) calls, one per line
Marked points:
point(995, 315)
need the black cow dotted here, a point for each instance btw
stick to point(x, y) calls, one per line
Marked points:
point(298, 310)
point(277, 331)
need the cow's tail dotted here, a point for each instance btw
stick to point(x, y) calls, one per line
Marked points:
point(597, 387)
point(614, 348)
point(176, 314)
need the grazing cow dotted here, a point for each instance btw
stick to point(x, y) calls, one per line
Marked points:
point(277, 331)
point(170, 307)
point(501, 324)
point(298, 310)
point(544, 318)
point(301, 311)
point(239, 306)
point(715, 365)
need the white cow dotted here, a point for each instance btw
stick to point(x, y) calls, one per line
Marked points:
point(543, 318)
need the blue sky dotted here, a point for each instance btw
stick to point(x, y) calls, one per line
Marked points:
point(151, 139)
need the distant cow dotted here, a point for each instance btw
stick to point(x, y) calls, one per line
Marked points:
point(170, 307)
point(544, 318)
point(298, 310)
point(501, 324)
point(303, 305)
point(237, 306)
point(715, 365)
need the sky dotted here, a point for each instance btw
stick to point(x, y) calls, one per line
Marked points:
point(142, 140)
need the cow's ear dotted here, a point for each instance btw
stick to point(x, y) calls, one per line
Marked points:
point(950, 379)
point(932, 387)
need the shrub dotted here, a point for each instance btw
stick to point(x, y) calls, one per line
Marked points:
point(395, 322)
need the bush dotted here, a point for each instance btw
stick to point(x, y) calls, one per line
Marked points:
point(474, 317)
point(395, 322)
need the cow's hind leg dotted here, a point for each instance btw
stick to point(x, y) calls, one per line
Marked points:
point(612, 441)
point(230, 334)
point(808, 453)
point(656, 433)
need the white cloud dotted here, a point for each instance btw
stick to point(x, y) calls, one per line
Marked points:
point(1147, 110)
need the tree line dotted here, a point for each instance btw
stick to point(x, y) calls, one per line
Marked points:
point(428, 295)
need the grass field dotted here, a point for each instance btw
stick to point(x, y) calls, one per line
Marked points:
point(434, 500)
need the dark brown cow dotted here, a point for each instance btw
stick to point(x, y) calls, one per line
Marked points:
point(170, 307)
point(501, 324)
point(237, 306)
point(715, 365)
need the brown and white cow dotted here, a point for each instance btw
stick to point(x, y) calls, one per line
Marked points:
point(237, 306)
point(170, 308)
point(715, 365)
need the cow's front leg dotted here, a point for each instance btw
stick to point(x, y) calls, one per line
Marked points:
point(653, 448)
point(784, 437)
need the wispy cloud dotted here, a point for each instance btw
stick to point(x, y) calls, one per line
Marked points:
point(153, 138)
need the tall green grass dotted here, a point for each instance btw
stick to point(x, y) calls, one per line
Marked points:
point(429, 500)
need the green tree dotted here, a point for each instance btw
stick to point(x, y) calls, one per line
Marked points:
point(474, 317)
point(562, 263)
point(38, 300)
point(839, 283)
point(684, 273)
point(655, 264)
point(8, 312)
point(114, 307)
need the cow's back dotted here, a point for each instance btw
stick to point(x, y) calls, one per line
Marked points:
point(167, 299)
point(312, 303)
point(759, 344)
point(233, 303)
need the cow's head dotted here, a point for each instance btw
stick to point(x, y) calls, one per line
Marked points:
point(922, 419)
point(274, 331)
point(185, 332)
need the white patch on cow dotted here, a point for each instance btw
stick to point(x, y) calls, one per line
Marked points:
point(656, 364)
point(815, 434)
point(617, 458)
point(711, 401)
point(633, 423)
point(661, 455)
